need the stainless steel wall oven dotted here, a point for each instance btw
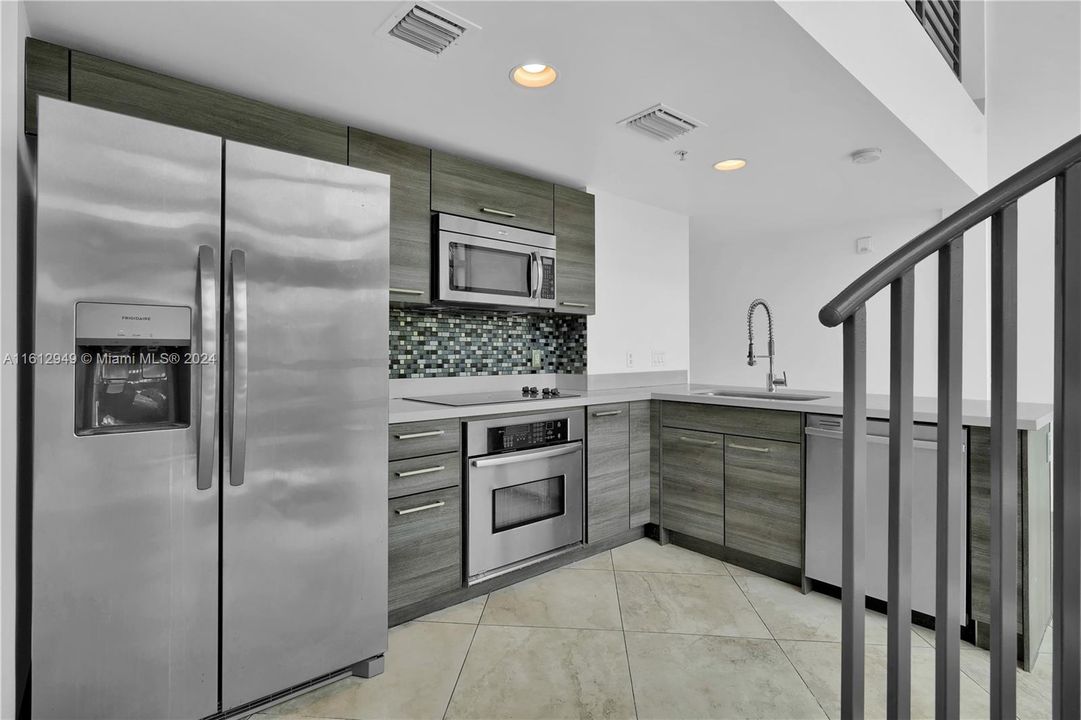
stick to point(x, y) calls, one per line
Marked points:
point(524, 490)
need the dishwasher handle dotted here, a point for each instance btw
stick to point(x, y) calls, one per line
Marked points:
point(873, 439)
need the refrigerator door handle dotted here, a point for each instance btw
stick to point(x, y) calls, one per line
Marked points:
point(239, 356)
point(208, 367)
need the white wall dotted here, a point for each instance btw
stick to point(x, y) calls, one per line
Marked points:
point(13, 28)
point(641, 287)
point(1033, 105)
point(797, 275)
point(884, 47)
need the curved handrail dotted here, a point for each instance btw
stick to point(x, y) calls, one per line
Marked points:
point(906, 257)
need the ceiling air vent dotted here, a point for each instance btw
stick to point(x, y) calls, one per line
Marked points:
point(427, 27)
point(662, 123)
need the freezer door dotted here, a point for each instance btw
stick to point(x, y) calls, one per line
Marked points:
point(304, 541)
point(124, 568)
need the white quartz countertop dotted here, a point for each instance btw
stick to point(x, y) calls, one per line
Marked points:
point(1030, 416)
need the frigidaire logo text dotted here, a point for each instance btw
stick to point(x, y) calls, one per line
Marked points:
point(134, 317)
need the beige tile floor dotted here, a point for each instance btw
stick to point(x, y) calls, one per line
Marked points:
point(642, 631)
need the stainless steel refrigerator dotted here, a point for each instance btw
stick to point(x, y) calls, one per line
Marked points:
point(209, 520)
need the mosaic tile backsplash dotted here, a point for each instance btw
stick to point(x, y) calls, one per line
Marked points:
point(448, 343)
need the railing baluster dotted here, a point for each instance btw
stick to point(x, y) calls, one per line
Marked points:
point(1004, 463)
point(899, 632)
point(854, 515)
point(951, 483)
point(1066, 494)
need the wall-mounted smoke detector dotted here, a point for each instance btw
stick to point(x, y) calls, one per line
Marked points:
point(427, 27)
point(866, 156)
point(661, 122)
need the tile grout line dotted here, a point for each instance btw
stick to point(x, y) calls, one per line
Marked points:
point(762, 620)
point(465, 658)
point(623, 631)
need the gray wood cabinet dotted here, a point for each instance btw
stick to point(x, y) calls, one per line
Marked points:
point(692, 471)
point(421, 474)
point(747, 422)
point(655, 462)
point(425, 546)
point(121, 88)
point(762, 508)
point(426, 437)
point(409, 167)
point(575, 242)
point(607, 471)
point(639, 486)
point(1033, 536)
point(46, 75)
point(472, 189)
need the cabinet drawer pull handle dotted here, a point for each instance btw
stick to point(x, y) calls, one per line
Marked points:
point(500, 213)
point(406, 291)
point(574, 304)
point(696, 441)
point(607, 413)
point(734, 446)
point(416, 435)
point(421, 471)
point(429, 506)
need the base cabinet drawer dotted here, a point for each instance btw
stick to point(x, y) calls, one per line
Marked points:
point(425, 546)
point(692, 483)
point(762, 498)
point(417, 475)
point(416, 439)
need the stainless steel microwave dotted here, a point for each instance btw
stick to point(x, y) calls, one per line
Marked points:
point(482, 263)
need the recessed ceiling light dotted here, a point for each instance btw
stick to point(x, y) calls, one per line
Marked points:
point(534, 75)
point(730, 164)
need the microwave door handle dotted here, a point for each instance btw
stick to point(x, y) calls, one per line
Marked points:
point(534, 284)
point(207, 298)
point(239, 355)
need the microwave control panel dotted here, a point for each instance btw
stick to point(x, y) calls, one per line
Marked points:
point(527, 435)
point(548, 278)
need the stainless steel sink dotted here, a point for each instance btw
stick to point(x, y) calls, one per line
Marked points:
point(763, 395)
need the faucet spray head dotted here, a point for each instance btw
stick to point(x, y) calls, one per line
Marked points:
point(750, 354)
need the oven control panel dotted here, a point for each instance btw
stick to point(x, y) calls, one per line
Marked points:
point(527, 435)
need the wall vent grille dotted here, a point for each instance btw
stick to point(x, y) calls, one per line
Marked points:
point(662, 123)
point(429, 28)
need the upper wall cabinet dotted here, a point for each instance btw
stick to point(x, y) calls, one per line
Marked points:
point(472, 189)
point(409, 168)
point(132, 91)
point(574, 217)
point(46, 74)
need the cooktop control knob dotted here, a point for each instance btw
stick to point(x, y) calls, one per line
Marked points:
point(532, 391)
point(546, 391)
point(555, 392)
point(525, 389)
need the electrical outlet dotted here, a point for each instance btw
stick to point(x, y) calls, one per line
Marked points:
point(538, 358)
point(657, 358)
point(630, 359)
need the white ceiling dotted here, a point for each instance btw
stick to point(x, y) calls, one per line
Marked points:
point(767, 91)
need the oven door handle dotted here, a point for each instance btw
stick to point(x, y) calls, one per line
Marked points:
point(528, 456)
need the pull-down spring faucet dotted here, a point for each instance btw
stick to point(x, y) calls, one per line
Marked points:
point(772, 381)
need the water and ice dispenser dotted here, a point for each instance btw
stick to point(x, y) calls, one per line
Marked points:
point(132, 367)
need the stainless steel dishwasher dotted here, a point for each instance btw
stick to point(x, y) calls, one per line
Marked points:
point(824, 509)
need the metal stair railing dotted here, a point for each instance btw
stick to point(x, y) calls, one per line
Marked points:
point(896, 271)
